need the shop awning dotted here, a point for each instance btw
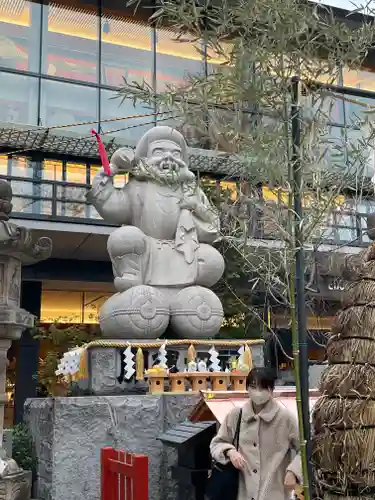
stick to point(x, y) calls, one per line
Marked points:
point(215, 406)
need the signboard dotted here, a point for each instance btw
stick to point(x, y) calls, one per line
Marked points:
point(337, 285)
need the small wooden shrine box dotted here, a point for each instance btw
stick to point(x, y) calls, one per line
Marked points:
point(238, 381)
point(219, 381)
point(177, 382)
point(198, 380)
point(192, 441)
point(155, 383)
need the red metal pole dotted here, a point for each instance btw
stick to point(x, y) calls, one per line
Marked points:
point(108, 478)
point(140, 478)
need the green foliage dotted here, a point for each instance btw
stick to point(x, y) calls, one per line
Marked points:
point(23, 449)
point(61, 339)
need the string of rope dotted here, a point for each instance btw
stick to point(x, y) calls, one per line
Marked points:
point(108, 120)
point(181, 342)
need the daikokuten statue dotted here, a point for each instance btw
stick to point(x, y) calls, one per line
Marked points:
point(161, 255)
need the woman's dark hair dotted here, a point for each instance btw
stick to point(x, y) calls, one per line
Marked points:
point(264, 378)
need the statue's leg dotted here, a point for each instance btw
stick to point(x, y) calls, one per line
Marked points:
point(210, 266)
point(127, 248)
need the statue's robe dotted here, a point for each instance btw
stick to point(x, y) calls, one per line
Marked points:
point(174, 234)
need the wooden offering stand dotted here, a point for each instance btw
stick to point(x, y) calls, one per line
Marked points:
point(177, 382)
point(219, 381)
point(156, 382)
point(238, 381)
point(198, 380)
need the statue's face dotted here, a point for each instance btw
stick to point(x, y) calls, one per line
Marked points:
point(165, 160)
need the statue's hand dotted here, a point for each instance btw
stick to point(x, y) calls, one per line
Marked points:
point(122, 161)
point(189, 203)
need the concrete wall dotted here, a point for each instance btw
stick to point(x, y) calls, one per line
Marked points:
point(69, 432)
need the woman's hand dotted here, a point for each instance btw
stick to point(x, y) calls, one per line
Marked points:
point(237, 459)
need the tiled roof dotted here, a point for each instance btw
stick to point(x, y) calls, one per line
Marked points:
point(57, 142)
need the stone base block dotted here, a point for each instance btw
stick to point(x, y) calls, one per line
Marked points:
point(69, 433)
point(16, 486)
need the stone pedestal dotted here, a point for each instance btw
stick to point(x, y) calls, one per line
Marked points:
point(69, 432)
point(16, 486)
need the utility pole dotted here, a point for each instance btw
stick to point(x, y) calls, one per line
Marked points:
point(299, 263)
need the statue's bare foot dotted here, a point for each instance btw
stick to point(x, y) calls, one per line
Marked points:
point(127, 281)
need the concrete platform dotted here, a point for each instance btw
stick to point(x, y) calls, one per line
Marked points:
point(69, 433)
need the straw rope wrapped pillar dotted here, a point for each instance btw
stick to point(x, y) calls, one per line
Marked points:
point(344, 417)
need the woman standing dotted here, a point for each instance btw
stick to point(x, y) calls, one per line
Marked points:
point(267, 435)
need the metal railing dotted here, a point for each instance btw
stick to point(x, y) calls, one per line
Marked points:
point(57, 201)
point(62, 201)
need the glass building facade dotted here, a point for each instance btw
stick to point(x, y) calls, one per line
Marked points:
point(61, 63)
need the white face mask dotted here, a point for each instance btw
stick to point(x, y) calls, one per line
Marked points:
point(259, 396)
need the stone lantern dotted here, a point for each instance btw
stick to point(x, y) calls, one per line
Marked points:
point(17, 247)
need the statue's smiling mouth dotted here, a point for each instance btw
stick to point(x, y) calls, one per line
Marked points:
point(169, 166)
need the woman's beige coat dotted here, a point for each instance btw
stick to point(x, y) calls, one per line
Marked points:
point(266, 442)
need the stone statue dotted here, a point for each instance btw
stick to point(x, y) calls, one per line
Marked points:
point(161, 255)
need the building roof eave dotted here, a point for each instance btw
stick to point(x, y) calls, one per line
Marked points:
point(15, 139)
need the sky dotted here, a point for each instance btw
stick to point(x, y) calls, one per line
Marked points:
point(345, 4)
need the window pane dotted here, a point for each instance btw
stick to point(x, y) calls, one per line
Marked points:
point(93, 214)
point(360, 150)
point(364, 79)
point(175, 60)
point(126, 50)
point(130, 129)
point(119, 181)
point(62, 307)
point(76, 172)
point(332, 147)
point(18, 99)
point(93, 301)
point(71, 209)
point(72, 201)
point(70, 47)
point(19, 34)
point(22, 167)
point(328, 108)
point(65, 104)
point(30, 206)
point(22, 187)
point(356, 112)
point(94, 169)
point(3, 165)
point(52, 170)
